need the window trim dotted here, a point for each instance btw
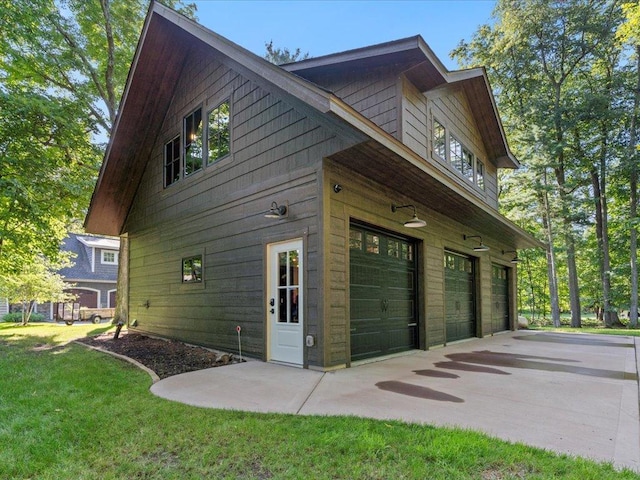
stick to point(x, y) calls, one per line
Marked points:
point(115, 257)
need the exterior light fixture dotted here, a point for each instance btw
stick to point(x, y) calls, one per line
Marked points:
point(481, 247)
point(276, 211)
point(415, 222)
point(515, 258)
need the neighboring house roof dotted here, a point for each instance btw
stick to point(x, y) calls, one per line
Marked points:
point(85, 248)
point(168, 38)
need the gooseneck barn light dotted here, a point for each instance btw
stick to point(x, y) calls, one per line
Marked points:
point(515, 258)
point(415, 222)
point(481, 247)
point(276, 211)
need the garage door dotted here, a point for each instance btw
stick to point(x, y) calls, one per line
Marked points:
point(460, 304)
point(382, 293)
point(499, 298)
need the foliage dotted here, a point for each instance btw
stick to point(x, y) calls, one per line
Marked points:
point(17, 317)
point(36, 282)
point(63, 67)
point(59, 421)
point(564, 87)
point(280, 56)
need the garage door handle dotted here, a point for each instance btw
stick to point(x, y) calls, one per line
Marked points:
point(412, 324)
point(353, 330)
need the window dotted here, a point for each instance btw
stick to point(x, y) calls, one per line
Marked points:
point(193, 142)
point(172, 161)
point(439, 140)
point(109, 257)
point(467, 164)
point(218, 138)
point(192, 269)
point(460, 157)
point(480, 174)
point(455, 152)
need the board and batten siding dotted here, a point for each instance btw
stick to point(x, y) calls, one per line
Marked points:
point(218, 212)
point(363, 200)
point(450, 107)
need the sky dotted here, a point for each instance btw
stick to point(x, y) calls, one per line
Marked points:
point(331, 26)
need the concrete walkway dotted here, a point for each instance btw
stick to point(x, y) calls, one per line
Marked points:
point(570, 393)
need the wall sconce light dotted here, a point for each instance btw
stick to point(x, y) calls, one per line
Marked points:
point(337, 188)
point(515, 259)
point(415, 222)
point(481, 247)
point(277, 211)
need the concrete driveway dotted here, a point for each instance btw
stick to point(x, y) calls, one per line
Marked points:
point(570, 393)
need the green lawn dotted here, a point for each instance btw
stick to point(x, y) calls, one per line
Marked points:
point(67, 412)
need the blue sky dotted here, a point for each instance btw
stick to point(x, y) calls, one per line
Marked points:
point(330, 26)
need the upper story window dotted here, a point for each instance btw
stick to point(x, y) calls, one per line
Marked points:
point(218, 138)
point(193, 142)
point(109, 257)
point(172, 161)
point(460, 157)
point(439, 140)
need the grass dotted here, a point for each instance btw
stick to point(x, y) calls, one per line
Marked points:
point(70, 412)
point(589, 325)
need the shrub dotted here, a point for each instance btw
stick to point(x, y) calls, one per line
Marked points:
point(16, 317)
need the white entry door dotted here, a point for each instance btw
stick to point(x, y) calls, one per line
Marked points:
point(285, 302)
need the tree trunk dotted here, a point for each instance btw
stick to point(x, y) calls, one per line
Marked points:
point(633, 210)
point(602, 234)
point(122, 293)
point(551, 258)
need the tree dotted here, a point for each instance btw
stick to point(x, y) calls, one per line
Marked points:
point(281, 56)
point(35, 282)
point(546, 59)
point(63, 68)
point(629, 33)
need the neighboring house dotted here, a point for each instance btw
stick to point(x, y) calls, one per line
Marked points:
point(95, 269)
point(94, 273)
point(263, 197)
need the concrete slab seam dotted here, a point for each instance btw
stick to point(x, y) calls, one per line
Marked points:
point(304, 402)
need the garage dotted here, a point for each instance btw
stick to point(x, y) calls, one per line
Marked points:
point(460, 302)
point(499, 298)
point(383, 296)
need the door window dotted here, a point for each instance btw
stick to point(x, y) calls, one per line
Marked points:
point(288, 286)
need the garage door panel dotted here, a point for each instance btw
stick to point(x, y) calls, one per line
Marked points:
point(382, 294)
point(460, 310)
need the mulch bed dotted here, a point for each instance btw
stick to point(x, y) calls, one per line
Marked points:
point(165, 357)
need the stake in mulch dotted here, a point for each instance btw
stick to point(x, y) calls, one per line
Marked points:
point(238, 329)
point(120, 324)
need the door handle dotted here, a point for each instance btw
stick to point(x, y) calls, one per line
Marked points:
point(272, 302)
point(412, 324)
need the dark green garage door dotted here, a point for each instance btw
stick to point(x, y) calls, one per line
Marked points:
point(382, 292)
point(460, 305)
point(499, 299)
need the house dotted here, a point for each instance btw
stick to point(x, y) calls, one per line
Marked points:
point(94, 272)
point(285, 200)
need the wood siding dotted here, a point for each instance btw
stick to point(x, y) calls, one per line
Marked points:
point(372, 93)
point(365, 201)
point(218, 212)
